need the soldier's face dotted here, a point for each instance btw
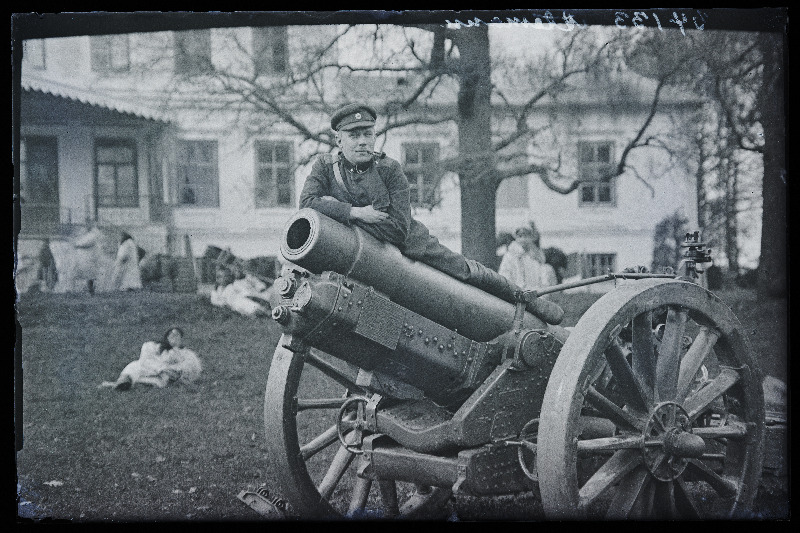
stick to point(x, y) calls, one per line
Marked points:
point(357, 144)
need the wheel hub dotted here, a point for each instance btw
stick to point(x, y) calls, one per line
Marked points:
point(669, 442)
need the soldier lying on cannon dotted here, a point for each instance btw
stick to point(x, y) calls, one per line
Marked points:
point(393, 372)
point(360, 187)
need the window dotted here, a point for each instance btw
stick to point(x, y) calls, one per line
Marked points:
point(598, 264)
point(198, 178)
point(115, 171)
point(270, 49)
point(33, 52)
point(110, 53)
point(39, 199)
point(193, 52)
point(274, 174)
point(420, 167)
point(39, 170)
point(595, 166)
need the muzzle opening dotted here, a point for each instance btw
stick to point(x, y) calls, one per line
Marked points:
point(298, 233)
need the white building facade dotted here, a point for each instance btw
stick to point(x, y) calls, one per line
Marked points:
point(163, 163)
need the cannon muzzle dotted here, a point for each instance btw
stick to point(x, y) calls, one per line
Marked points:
point(318, 243)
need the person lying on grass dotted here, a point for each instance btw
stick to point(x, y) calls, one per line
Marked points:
point(244, 294)
point(160, 363)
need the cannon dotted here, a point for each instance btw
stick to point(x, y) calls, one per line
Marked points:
point(395, 387)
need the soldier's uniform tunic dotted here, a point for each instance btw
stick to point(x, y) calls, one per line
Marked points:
point(384, 186)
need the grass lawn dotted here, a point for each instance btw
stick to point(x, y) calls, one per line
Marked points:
point(177, 453)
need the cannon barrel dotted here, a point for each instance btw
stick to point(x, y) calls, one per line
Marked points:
point(318, 243)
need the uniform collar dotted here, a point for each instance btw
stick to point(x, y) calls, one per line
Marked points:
point(356, 170)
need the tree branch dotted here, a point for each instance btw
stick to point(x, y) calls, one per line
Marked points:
point(621, 165)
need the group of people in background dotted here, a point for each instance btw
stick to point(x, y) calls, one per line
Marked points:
point(524, 263)
point(237, 288)
point(83, 263)
point(169, 361)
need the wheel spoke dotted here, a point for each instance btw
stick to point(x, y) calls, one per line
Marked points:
point(334, 474)
point(627, 492)
point(389, 496)
point(691, 362)
point(319, 443)
point(664, 500)
point(669, 355)
point(615, 468)
point(323, 440)
point(702, 399)
point(630, 387)
point(724, 487)
point(613, 412)
point(342, 373)
point(610, 443)
point(684, 502)
point(643, 507)
point(643, 357)
point(360, 494)
point(319, 403)
point(660, 458)
point(734, 431)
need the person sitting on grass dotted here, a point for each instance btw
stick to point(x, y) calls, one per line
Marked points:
point(160, 363)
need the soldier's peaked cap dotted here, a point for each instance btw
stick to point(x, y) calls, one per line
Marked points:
point(353, 116)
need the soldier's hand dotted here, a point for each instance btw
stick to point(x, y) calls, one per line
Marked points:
point(367, 214)
point(328, 198)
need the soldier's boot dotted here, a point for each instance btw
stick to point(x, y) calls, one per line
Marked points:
point(486, 279)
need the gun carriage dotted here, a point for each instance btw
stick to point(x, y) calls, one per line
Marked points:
point(395, 386)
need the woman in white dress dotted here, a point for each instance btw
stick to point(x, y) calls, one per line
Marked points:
point(160, 363)
point(524, 264)
point(126, 268)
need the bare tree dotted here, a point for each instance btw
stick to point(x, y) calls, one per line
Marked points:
point(741, 76)
point(726, 178)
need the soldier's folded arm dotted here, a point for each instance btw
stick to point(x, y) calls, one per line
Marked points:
point(395, 228)
point(315, 188)
point(397, 225)
point(391, 230)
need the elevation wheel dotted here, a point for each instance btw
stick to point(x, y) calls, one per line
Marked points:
point(312, 410)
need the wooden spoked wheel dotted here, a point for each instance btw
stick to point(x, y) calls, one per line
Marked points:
point(666, 368)
point(315, 471)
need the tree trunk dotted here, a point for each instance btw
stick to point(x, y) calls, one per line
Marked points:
point(772, 265)
point(728, 177)
point(476, 165)
point(731, 213)
point(700, 184)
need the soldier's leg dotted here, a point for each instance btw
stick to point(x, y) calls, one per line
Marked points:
point(440, 257)
point(444, 259)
